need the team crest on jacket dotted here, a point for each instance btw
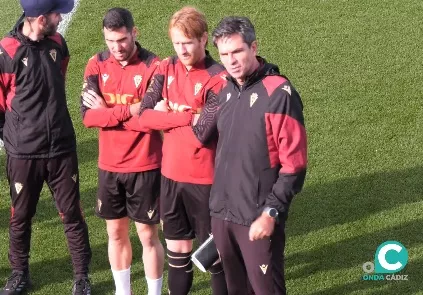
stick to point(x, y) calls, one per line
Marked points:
point(197, 88)
point(105, 77)
point(53, 54)
point(253, 99)
point(170, 80)
point(137, 80)
point(287, 89)
point(228, 96)
point(25, 61)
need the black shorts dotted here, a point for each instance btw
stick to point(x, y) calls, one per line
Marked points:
point(184, 210)
point(135, 195)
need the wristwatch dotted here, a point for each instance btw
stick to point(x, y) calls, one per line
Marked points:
point(272, 212)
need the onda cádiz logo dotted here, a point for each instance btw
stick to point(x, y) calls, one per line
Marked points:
point(390, 258)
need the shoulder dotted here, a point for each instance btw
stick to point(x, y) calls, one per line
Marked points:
point(9, 46)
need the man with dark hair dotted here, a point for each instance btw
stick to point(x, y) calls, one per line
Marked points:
point(39, 137)
point(184, 85)
point(260, 165)
point(129, 156)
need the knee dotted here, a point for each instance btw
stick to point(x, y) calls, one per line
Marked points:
point(148, 235)
point(117, 234)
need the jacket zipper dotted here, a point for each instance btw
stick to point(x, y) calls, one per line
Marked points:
point(226, 155)
point(48, 98)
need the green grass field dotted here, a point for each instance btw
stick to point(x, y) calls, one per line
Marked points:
point(357, 65)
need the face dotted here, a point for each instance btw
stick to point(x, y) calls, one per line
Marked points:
point(51, 23)
point(238, 58)
point(189, 51)
point(120, 42)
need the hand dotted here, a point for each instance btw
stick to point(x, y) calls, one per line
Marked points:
point(161, 106)
point(175, 107)
point(134, 109)
point(92, 100)
point(262, 227)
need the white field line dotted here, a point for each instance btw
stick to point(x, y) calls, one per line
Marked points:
point(67, 18)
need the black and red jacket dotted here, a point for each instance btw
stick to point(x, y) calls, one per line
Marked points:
point(261, 155)
point(124, 146)
point(34, 118)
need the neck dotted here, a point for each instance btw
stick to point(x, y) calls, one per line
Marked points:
point(125, 62)
point(29, 32)
point(253, 68)
point(202, 57)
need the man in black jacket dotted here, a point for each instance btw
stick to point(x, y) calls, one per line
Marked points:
point(39, 138)
point(260, 163)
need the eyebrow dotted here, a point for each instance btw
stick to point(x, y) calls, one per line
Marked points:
point(121, 39)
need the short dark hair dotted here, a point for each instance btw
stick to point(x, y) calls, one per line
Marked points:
point(235, 25)
point(117, 18)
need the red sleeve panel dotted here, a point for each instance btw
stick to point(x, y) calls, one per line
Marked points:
point(8, 48)
point(287, 141)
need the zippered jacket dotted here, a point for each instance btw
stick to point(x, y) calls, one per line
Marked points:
point(34, 117)
point(261, 154)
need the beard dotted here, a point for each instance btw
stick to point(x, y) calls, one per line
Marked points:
point(50, 29)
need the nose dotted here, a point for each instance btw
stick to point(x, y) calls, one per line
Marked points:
point(182, 48)
point(118, 46)
point(232, 59)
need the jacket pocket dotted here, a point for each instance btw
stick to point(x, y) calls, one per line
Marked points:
point(267, 178)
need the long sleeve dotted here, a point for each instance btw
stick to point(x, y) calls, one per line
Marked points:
point(287, 132)
point(157, 120)
point(206, 127)
point(106, 117)
point(3, 94)
point(2, 105)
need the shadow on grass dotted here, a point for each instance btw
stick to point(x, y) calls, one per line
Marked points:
point(347, 201)
point(351, 199)
point(412, 286)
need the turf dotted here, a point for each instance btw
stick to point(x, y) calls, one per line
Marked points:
point(357, 67)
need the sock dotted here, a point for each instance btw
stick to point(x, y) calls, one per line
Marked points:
point(180, 273)
point(122, 280)
point(154, 286)
point(218, 280)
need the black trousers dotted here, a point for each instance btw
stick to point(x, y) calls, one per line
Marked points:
point(251, 267)
point(26, 178)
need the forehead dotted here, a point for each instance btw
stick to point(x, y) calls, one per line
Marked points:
point(230, 43)
point(115, 34)
point(178, 36)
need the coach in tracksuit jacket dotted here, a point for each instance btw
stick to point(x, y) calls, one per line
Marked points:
point(260, 163)
point(39, 137)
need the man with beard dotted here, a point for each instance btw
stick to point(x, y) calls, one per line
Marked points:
point(129, 157)
point(184, 85)
point(39, 138)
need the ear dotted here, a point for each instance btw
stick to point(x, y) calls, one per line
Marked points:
point(204, 38)
point(254, 47)
point(134, 32)
point(41, 20)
